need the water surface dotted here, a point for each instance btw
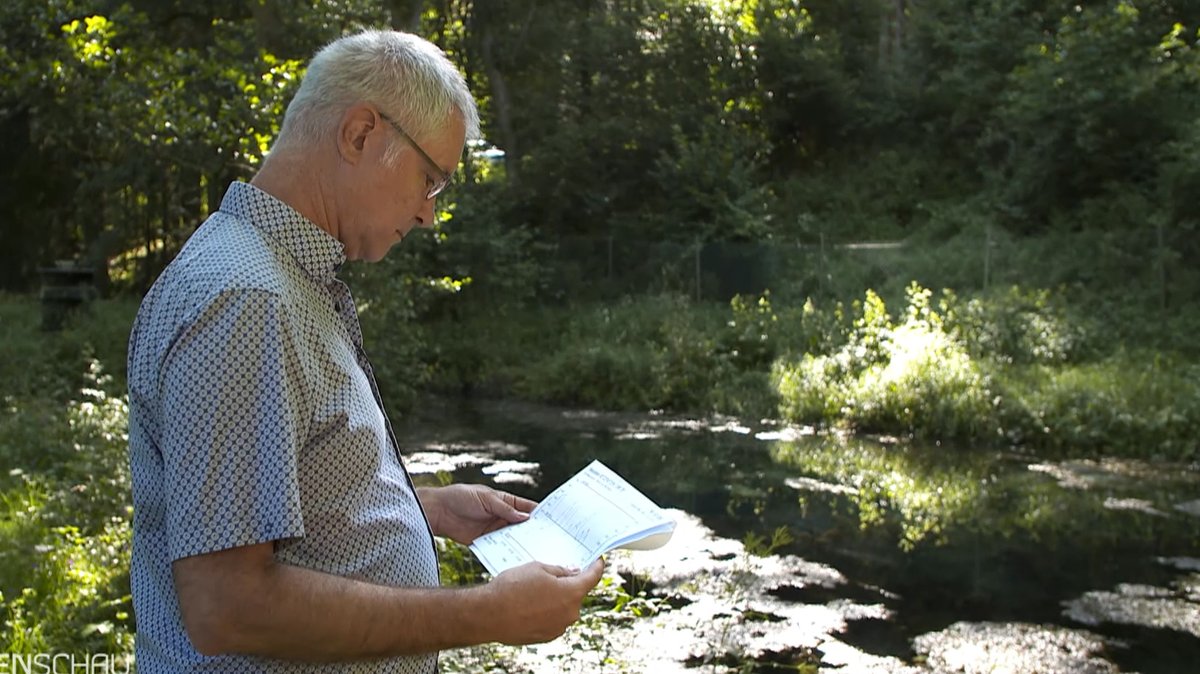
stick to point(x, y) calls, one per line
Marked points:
point(930, 557)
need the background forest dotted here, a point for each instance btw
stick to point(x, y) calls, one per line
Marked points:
point(1070, 124)
point(697, 148)
point(693, 205)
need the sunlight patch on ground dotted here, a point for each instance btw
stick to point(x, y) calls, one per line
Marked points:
point(435, 457)
point(1144, 605)
point(811, 484)
point(730, 427)
point(1073, 475)
point(513, 472)
point(713, 607)
point(652, 429)
point(715, 603)
point(1135, 504)
point(1189, 507)
point(638, 435)
point(1189, 587)
point(1181, 563)
point(658, 426)
point(1089, 474)
point(786, 434)
point(488, 447)
point(1013, 648)
point(728, 611)
point(429, 463)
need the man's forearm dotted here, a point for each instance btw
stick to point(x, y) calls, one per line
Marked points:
point(242, 601)
point(286, 612)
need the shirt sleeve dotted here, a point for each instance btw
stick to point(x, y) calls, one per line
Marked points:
point(232, 395)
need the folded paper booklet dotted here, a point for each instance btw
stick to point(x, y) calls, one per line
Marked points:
point(588, 515)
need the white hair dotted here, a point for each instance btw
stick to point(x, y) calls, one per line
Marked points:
point(407, 77)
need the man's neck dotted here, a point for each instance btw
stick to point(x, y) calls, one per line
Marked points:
point(295, 180)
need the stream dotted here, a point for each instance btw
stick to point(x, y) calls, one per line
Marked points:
point(805, 551)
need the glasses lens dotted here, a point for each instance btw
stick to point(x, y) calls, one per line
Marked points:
point(438, 187)
point(444, 178)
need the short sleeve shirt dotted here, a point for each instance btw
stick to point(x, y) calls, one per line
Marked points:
point(255, 418)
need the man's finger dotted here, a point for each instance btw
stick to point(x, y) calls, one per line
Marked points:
point(522, 504)
point(512, 515)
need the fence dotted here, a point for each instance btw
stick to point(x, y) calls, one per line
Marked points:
point(604, 268)
point(1139, 263)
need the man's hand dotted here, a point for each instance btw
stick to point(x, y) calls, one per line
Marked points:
point(463, 512)
point(540, 601)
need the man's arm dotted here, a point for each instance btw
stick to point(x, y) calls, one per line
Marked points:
point(242, 601)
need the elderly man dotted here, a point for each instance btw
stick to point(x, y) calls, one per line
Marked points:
point(276, 528)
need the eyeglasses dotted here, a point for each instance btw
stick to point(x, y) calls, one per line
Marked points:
point(443, 178)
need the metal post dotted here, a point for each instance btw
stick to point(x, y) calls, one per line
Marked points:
point(987, 254)
point(1162, 268)
point(824, 275)
point(610, 258)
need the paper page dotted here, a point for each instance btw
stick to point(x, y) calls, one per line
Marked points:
point(597, 507)
point(581, 520)
point(535, 538)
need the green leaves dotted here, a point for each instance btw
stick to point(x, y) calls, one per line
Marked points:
point(91, 40)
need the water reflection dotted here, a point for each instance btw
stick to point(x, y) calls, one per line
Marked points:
point(939, 550)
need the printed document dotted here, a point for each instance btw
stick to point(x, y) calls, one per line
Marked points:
point(588, 515)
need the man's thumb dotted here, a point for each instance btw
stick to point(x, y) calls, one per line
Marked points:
point(560, 571)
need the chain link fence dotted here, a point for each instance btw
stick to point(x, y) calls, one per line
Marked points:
point(1140, 263)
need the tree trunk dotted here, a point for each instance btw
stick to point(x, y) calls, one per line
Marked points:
point(892, 30)
point(406, 14)
point(269, 26)
point(502, 102)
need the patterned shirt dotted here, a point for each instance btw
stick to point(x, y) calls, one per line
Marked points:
point(255, 417)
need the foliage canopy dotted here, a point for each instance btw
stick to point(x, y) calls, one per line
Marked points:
point(657, 120)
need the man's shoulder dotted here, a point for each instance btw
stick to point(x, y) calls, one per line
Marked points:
point(228, 253)
point(226, 259)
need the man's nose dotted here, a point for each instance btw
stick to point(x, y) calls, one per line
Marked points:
point(427, 216)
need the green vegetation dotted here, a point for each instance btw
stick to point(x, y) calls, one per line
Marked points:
point(1004, 146)
point(1012, 368)
point(64, 493)
point(665, 149)
point(1011, 128)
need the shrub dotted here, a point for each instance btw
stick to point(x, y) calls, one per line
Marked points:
point(1124, 403)
point(1018, 326)
point(912, 377)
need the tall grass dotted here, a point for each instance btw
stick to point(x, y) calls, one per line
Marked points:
point(64, 489)
point(657, 352)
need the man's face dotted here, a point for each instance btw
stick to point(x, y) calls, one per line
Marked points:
point(393, 200)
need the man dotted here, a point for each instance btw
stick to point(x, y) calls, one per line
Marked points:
point(276, 528)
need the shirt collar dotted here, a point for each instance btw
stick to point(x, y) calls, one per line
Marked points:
point(315, 250)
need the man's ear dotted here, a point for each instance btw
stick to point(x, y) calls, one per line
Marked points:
point(356, 124)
